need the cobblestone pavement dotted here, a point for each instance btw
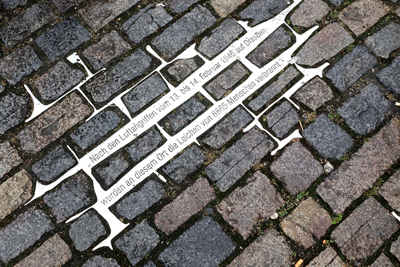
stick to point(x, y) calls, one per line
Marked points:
point(199, 133)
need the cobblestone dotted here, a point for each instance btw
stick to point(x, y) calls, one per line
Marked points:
point(72, 196)
point(109, 47)
point(395, 248)
point(51, 166)
point(390, 76)
point(114, 80)
point(227, 79)
point(63, 38)
point(382, 261)
point(307, 223)
point(271, 249)
point(327, 258)
point(225, 7)
point(19, 64)
point(145, 93)
point(92, 131)
point(138, 202)
point(314, 93)
point(365, 230)
point(18, 235)
point(14, 192)
point(179, 6)
point(282, 118)
point(245, 206)
point(150, 264)
point(57, 81)
point(325, 44)
point(182, 68)
point(109, 173)
point(171, 41)
point(309, 13)
point(9, 158)
point(227, 128)
point(361, 15)
point(391, 35)
point(365, 111)
point(270, 47)
point(351, 67)
point(53, 252)
point(271, 91)
point(13, 110)
point(228, 168)
point(52, 124)
point(137, 242)
point(178, 119)
point(328, 138)
point(390, 190)
point(186, 163)
point(26, 23)
point(97, 13)
point(261, 10)
point(12, 4)
point(97, 261)
point(188, 203)
point(204, 244)
point(356, 175)
point(296, 168)
point(86, 230)
point(220, 38)
point(1, 86)
point(64, 5)
point(143, 146)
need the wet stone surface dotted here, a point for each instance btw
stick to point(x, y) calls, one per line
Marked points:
point(391, 35)
point(63, 38)
point(18, 235)
point(51, 166)
point(97, 261)
point(204, 244)
point(327, 258)
point(9, 158)
point(13, 110)
point(323, 45)
point(53, 252)
point(220, 38)
point(86, 230)
point(145, 93)
point(224, 7)
point(227, 79)
point(109, 82)
point(314, 93)
point(57, 81)
point(72, 196)
point(390, 190)
point(26, 23)
point(307, 223)
point(109, 47)
point(382, 261)
point(390, 76)
point(296, 168)
point(270, 47)
point(143, 146)
point(328, 138)
point(282, 118)
point(309, 12)
point(108, 174)
point(351, 67)
point(271, 249)
point(234, 162)
point(137, 242)
point(93, 130)
point(365, 111)
point(14, 192)
point(365, 230)
point(19, 64)
point(188, 203)
point(245, 206)
point(261, 10)
point(182, 116)
point(171, 41)
point(184, 164)
point(138, 202)
point(358, 174)
point(361, 15)
point(227, 128)
point(182, 68)
point(272, 90)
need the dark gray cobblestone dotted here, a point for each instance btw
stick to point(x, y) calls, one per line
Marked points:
point(115, 167)
point(98, 261)
point(11, 4)
point(261, 10)
point(390, 76)
point(391, 35)
point(182, 68)
point(282, 118)
point(144, 145)
point(9, 158)
point(13, 110)
point(327, 258)
point(64, 5)
point(179, 6)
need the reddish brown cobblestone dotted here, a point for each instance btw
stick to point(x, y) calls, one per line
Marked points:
point(9, 158)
